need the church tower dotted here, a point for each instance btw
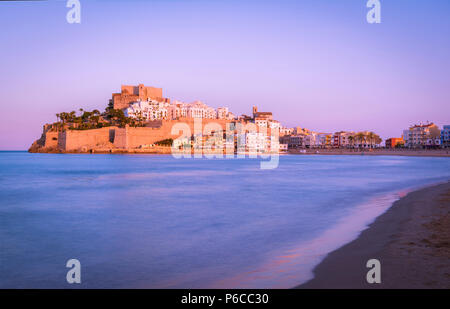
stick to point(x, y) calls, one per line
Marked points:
point(255, 111)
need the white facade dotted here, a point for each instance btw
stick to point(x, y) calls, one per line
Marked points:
point(261, 122)
point(154, 110)
point(200, 110)
point(310, 140)
point(422, 135)
point(222, 113)
point(286, 131)
point(148, 110)
point(321, 140)
point(253, 142)
point(275, 125)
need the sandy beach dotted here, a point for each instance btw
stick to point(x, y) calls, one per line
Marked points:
point(411, 240)
point(374, 152)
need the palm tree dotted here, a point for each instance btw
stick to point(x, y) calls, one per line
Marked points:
point(371, 137)
point(377, 139)
point(360, 137)
point(72, 116)
point(351, 139)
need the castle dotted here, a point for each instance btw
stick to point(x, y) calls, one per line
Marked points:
point(160, 119)
point(130, 94)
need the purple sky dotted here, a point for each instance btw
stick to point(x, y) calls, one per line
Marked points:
point(316, 64)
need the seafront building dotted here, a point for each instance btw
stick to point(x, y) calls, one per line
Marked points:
point(258, 133)
point(393, 142)
point(422, 136)
point(445, 137)
point(304, 138)
point(343, 139)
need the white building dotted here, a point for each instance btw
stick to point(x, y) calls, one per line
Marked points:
point(286, 131)
point(321, 139)
point(310, 140)
point(222, 113)
point(423, 135)
point(196, 109)
point(275, 126)
point(262, 122)
point(148, 110)
point(253, 142)
point(154, 110)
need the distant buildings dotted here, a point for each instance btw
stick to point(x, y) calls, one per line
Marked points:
point(147, 110)
point(224, 113)
point(286, 131)
point(304, 138)
point(445, 137)
point(422, 136)
point(261, 115)
point(394, 142)
point(148, 104)
point(345, 140)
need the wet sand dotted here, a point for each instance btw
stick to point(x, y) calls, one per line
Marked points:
point(411, 240)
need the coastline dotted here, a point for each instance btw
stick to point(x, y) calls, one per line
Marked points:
point(374, 152)
point(411, 240)
point(168, 150)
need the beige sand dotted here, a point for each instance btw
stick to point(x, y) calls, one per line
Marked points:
point(411, 240)
point(375, 152)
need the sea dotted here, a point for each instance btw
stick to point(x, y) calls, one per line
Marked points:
point(155, 221)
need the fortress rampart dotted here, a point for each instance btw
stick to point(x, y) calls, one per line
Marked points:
point(128, 138)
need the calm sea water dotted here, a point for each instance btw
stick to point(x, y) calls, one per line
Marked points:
point(143, 221)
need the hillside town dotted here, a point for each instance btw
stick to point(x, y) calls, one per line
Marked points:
point(140, 117)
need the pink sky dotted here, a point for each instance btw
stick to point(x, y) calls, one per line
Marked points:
point(314, 64)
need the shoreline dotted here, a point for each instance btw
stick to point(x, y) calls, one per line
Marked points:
point(309, 152)
point(374, 152)
point(411, 240)
point(405, 153)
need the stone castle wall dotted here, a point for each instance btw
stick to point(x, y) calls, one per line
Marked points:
point(74, 140)
point(130, 137)
point(51, 139)
point(130, 94)
point(135, 137)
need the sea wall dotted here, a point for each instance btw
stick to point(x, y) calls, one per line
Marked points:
point(128, 138)
point(131, 137)
point(83, 140)
point(51, 139)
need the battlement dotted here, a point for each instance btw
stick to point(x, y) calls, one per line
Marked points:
point(140, 92)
